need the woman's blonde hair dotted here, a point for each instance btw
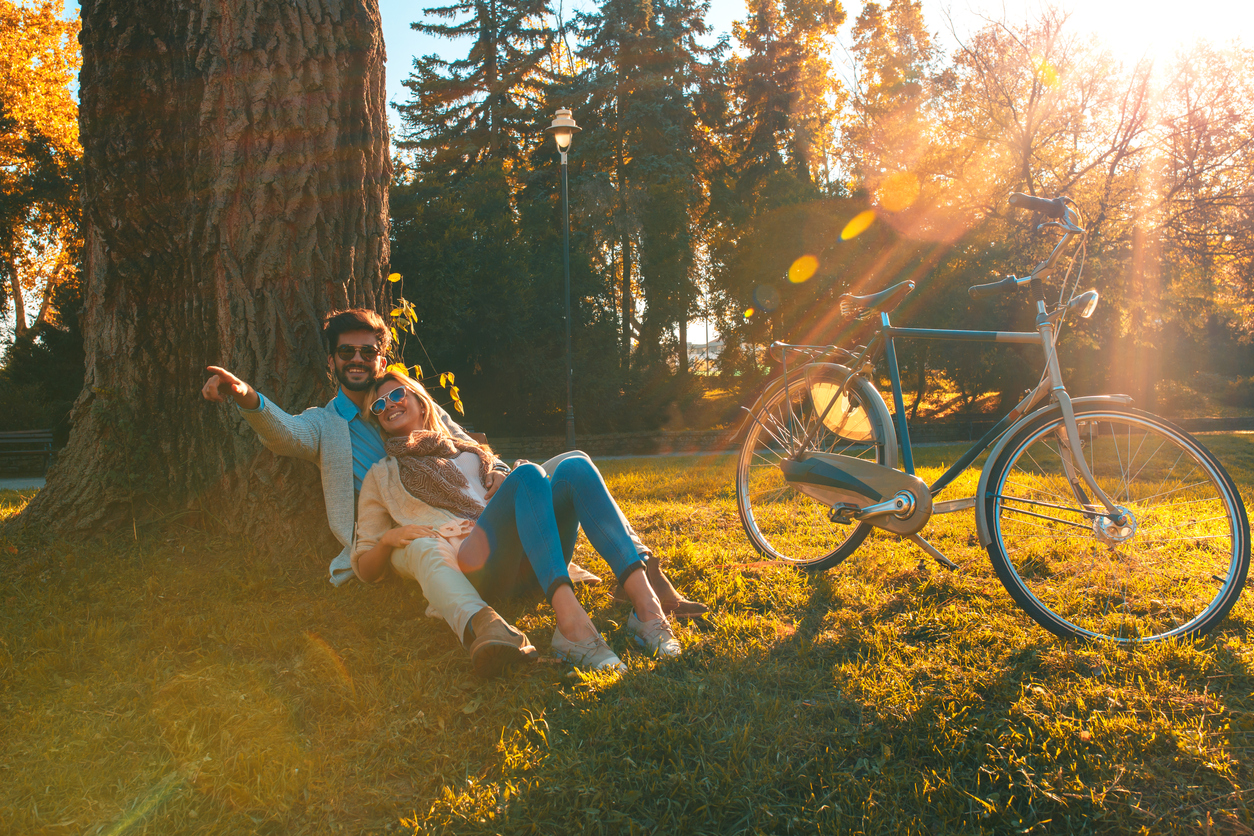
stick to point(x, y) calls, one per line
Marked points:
point(431, 418)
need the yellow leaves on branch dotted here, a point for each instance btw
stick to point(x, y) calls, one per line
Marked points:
point(403, 319)
point(39, 60)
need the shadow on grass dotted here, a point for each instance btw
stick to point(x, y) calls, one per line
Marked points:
point(180, 685)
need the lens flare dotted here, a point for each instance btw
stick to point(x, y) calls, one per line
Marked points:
point(766, 297)
point(898, 191)
point(858, 225)
point(802, 269)
point(1046, 73)
point(749, 312)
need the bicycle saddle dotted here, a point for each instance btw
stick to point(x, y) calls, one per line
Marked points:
point(886, 300)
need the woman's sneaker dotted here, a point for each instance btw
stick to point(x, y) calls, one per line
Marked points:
point(593, 653)
point(654, 636)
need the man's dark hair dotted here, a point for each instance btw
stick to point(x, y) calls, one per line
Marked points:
point(355, 319)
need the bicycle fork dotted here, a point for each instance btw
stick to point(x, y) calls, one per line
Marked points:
point(1072, 456)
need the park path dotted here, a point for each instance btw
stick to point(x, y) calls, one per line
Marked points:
point(21, 483)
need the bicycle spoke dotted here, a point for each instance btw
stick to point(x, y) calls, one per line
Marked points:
point(1171, 573)
point(783, 522)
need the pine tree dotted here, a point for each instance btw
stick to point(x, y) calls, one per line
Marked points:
point(482, 106)
point(646, 67)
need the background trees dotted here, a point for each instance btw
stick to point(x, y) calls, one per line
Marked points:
point(39, 150)
point(724, 179)
point(707, 179)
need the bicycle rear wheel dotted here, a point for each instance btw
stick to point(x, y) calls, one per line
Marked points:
point(781, 522)
point(1173, 567)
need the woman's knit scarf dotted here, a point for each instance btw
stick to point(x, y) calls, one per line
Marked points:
point(425, 459)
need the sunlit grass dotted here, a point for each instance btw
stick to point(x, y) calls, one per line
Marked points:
point(182, 685)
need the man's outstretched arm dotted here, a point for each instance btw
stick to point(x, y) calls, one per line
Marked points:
point(283, 434)
point(222, 385)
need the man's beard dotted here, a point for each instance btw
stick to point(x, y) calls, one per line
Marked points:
point(341, 377)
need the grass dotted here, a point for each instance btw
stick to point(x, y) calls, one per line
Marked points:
point(179, 685)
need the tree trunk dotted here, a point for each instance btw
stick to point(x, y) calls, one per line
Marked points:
point(629, 302)
point(683, 344)
point(235, 189)
point(19, 306)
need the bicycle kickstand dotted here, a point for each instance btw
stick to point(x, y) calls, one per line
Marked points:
point(933, 551)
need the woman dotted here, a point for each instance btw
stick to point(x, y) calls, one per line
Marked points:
point(507, 533)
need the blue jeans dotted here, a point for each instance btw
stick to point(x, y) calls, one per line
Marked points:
point(531, 524)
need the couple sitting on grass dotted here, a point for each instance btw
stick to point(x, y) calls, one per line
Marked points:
point(438, 507)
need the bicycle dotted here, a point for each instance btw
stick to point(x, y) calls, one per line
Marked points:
point(1102, 521)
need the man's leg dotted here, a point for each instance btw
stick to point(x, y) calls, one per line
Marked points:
point(675, 605)
point(492, 642)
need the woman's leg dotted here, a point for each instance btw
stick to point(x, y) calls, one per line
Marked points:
point(674, 604)
point(581, 497)
point(518, 527)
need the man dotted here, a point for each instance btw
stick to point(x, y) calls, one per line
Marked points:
point(345, 446)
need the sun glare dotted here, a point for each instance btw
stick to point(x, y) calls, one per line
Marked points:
point(802, 269)
point(857, 225)
point(1157, 28)
point(1152, 29)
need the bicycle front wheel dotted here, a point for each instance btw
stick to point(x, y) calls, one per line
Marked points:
point(781, 522)
point(1173, 566)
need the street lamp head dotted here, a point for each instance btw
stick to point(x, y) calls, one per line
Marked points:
point(563, 128)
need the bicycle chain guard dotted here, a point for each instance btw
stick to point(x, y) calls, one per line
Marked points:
point(833, 480)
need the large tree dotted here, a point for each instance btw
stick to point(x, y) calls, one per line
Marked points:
point(234, 190)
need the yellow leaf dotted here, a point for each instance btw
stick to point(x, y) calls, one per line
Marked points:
point(399, 368)
point(395, 312)
point(395, 277)
point(417, 373)
point(444, 380)
point(458, 405)
point(394, 336)
point(451, 379)
point(411, 313)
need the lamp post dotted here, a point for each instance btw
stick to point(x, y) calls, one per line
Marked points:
point(563, 130)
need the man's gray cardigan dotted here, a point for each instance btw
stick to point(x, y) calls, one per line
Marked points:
point(320, 435)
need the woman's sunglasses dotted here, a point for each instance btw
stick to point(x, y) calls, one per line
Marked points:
point(395, 396)
point(347, 352)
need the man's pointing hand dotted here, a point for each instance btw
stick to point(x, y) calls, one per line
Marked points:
point(222, 384)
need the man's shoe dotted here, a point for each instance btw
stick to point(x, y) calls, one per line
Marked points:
point(654, 636)
point(673, 604)
point(592, 654)
point(497, 644)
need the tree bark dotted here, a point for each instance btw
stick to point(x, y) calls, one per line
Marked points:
point(629, 302)
point(19, 306)
point(235, 189)
point(683, 344)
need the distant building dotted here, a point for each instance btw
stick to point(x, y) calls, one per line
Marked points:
point(703, 356)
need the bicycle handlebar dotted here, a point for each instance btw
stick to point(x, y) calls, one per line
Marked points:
point(1006, 285)
point(1055, 208)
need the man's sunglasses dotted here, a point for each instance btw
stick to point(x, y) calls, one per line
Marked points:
point(348, 352)
point(395, 396)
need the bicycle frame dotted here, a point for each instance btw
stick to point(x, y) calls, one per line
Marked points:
point(1051, 383)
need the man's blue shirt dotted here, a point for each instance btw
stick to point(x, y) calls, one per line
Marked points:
point(365, 436)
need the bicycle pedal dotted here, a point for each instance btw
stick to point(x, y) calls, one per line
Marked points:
point(843, 513)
